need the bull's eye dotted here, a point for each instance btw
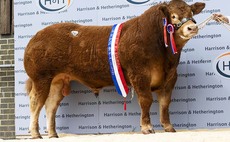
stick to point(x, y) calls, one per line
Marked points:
point(174, 16)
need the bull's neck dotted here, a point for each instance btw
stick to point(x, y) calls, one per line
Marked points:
point(180, 42)
point(175, 58)
point(144, 27)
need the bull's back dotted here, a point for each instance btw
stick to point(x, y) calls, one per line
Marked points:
point(68, 48)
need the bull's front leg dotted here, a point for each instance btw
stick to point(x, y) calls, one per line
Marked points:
point(164, 102)
point(145, 101)
point(164, 99)
point(142, 87)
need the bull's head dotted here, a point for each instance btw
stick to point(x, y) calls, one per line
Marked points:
point(181, 15)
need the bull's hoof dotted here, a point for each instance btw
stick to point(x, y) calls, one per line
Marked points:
point(148, 132)
point(53, 136)
point(37, 137)
point(171, 129)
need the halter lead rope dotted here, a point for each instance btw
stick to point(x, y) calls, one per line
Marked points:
point(222, 22)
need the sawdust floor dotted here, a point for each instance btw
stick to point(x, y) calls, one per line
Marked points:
point(218, 135)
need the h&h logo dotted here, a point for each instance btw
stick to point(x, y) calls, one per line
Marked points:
point(54, 5)
point(139, 2)
point(222, 65)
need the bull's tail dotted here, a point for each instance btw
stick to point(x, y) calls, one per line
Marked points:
point(29, 84)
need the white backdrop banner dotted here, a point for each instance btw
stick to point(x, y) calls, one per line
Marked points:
point(200, 99)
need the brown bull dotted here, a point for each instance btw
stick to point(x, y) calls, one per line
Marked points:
point(55, 56)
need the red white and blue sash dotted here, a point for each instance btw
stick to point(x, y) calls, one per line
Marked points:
point(115, 67)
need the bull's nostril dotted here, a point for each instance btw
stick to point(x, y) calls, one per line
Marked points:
point(192, 28)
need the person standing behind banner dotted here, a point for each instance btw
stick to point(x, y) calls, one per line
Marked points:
point(218, 17)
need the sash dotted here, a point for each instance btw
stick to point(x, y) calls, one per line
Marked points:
point(114, 63)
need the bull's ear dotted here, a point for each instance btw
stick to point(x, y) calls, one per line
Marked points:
point(164, 9)
point(197, 7)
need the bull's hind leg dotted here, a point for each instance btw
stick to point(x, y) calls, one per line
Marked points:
point(38, 96)
point(59, 89)
point(145, 99)
point(51, 106)
point(164, 102)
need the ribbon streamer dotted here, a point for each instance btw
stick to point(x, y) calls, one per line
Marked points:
point(170, 29)
point(115, 67)
point(165, 31)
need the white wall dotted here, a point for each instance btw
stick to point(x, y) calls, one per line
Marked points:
point(200, 100)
